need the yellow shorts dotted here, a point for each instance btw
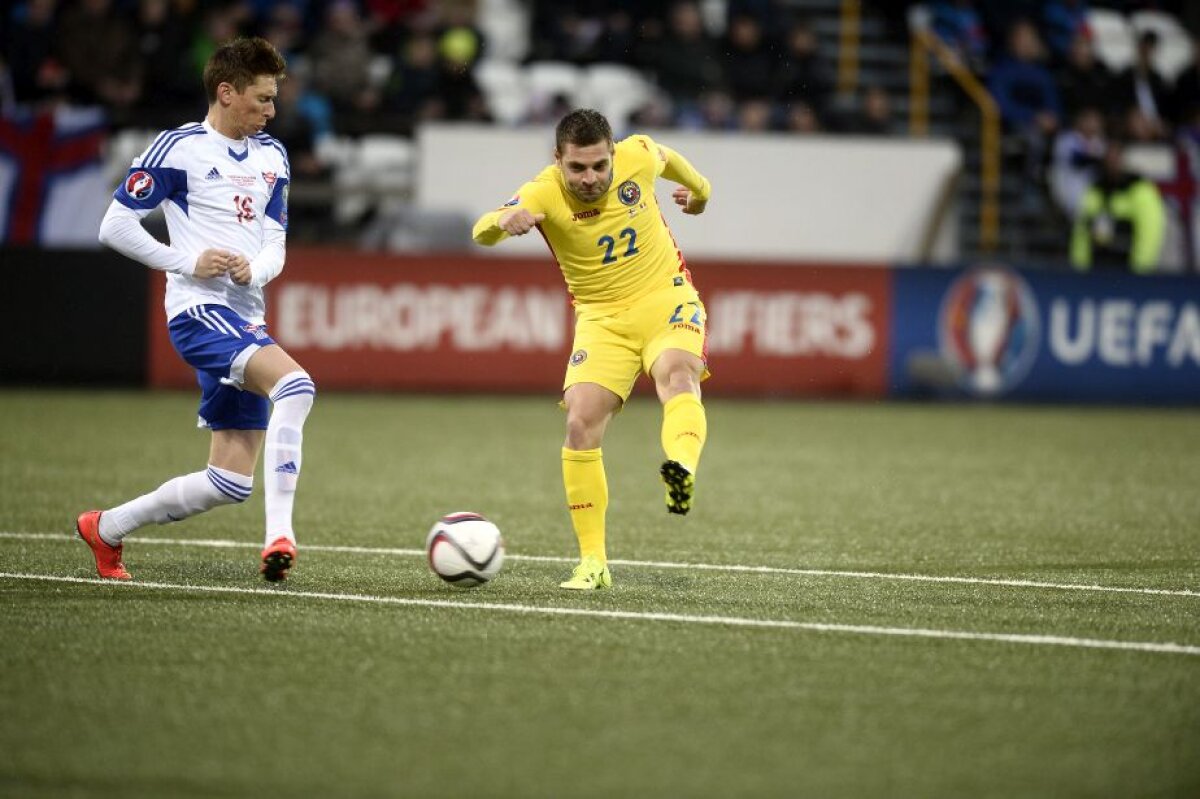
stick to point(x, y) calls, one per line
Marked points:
point(614, 345)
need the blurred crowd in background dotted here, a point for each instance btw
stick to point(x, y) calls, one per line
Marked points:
point(384, 66)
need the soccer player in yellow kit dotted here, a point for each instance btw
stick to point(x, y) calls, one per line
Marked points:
point(636, 309)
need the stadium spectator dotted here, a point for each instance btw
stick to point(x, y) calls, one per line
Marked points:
point(645, 316)
point(1084, 81)
point(1185, 94)
point(341, 57)
point(390, 21)
point(284, 28)
point(168, 86)
point(959, 24)
point(1140, 87)
point(37, 72)
point(411, 92)
point(716, 110)
point(873, 115)
point(253, 394)
point(747, 62)
point(1075, 160)
point(800, 77)
point(98, 47)
point(801, 118)
point(1026, 95)
point(686, 62)
point(1121, 220)
point(755, 116)
point(1064, 21)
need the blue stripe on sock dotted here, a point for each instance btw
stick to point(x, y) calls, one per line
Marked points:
point(295, 392)
point(301, 385)
point(228, 487)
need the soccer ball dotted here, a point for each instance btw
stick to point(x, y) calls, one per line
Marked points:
point(465, 549)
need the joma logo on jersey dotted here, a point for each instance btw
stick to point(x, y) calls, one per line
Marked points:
point(139, 185)
point(588, 214)
point(270, 178)
point(629, 193)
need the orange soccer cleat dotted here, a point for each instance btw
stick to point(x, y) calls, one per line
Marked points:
point(277, 559)
point(108, 557)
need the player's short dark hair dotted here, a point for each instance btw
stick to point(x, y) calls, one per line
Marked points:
point(240, 62)
point(582, 127)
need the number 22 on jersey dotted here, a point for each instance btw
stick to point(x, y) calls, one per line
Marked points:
point(609, 243)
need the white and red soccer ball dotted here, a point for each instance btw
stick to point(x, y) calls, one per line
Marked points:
point(465, 549)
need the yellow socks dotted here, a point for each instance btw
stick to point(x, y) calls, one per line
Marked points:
point(587, 498)
point(684, 430)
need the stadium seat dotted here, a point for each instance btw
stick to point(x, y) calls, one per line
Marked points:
point(549, 78)
point(123, 147)
point(375, 172)
point(616, 91)
point(505, 26)
point(504, 85)
point(1112, 37)
point(1174, 51)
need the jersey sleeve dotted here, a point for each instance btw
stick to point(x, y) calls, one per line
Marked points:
point(678, 169)
point(277, 206)
point(487, 232)
point(153, 177)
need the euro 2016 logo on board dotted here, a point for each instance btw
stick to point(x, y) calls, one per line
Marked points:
point(139, 185)
point(988, 330)
point(629, 193)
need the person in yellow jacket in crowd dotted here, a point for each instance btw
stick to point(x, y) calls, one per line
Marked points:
point(1121, 220)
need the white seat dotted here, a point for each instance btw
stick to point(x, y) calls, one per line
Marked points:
point(547, 79)
point(1174, 50)
point(1112, 37)
point(505, 26)
point(615, 90)
point(505, 88)
point(123, 147)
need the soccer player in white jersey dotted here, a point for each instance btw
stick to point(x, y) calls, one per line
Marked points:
point(224, 184)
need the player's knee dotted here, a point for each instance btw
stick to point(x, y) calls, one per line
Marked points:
point(583, 432)
point(296, 392)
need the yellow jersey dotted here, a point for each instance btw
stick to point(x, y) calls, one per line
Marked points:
point(617, 249)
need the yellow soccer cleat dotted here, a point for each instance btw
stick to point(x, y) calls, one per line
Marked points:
point(681, 485)
point(590, 574)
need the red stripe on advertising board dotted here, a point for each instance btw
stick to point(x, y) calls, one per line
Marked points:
point(450, 323)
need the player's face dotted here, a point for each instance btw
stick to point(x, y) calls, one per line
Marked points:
point(587, 170)
point(252, 108)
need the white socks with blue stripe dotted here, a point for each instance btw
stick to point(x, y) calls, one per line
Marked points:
point(176, 499)
point(292, 398)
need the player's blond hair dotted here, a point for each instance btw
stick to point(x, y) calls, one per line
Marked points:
point(239, 63)
point(582, 127)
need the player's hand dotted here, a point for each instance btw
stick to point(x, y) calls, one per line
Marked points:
point(518, 221)
point(688, 201)
point(213, 263)
point(239, 270)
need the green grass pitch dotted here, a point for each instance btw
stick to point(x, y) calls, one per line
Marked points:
point(199, 681)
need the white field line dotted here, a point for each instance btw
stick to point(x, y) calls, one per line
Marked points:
point(225, 544)
point(679, 618)
point(654, 564)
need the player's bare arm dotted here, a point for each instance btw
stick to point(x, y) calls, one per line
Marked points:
point(213, 263)
point(518, 221)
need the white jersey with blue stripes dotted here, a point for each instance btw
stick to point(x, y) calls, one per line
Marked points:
point(219, 193)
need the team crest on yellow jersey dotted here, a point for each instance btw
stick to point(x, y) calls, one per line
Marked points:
point(629, 193)
point(578, 357)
